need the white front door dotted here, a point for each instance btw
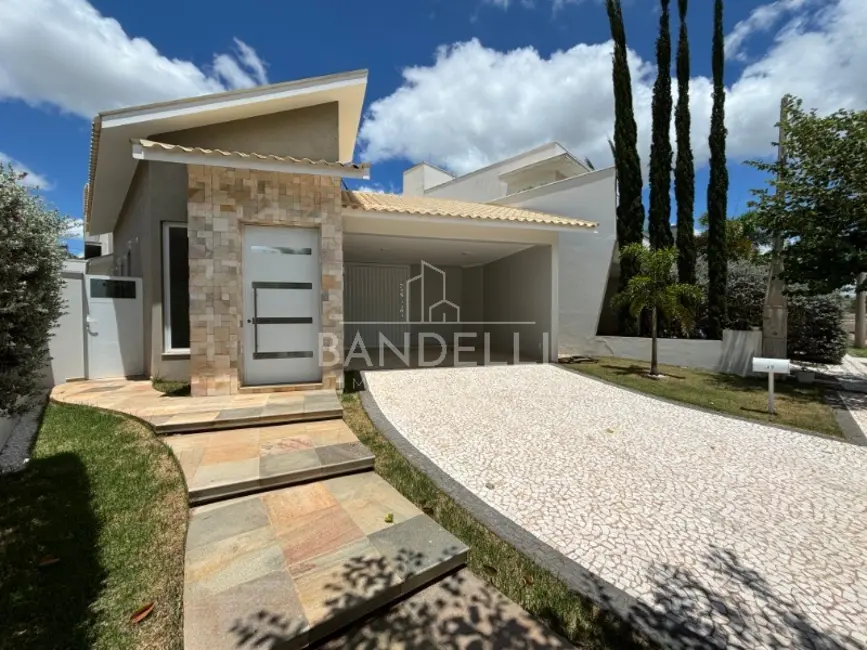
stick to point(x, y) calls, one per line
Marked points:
point(115, 329)
point(282, 305)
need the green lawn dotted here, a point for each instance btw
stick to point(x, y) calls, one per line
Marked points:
point(90, 532)
point(797, 405)
point(858, 352)
point(538, 591)
point(171, 388)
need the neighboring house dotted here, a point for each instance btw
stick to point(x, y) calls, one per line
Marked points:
point(253, 258)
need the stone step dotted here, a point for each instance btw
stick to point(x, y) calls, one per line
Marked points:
point(258, 411)
point(287, 568)
point(221, 464)
point(459, 611)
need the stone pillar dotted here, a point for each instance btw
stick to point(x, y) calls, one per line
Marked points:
point(220, 201)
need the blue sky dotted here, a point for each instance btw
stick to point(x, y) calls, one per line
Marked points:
point(460, 83)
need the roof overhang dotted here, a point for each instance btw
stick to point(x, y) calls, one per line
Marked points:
point(564, 163)
point(160, 151)
point(112, 165)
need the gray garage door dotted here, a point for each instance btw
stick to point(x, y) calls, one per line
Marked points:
point(374, 303)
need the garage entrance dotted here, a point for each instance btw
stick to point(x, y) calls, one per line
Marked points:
point(428, 301)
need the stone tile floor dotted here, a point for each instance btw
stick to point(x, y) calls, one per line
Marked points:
point(851, 372)
point(458, 612)
point(286, 567)
point(236, 461)
point(747, 535)
point(168, 414)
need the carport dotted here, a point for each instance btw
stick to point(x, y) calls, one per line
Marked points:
point(425, 290)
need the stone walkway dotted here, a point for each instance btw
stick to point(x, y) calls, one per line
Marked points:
point(287, 567)
point(238, 461)
point(851, 372)
point(166, 414)
point(724, 532)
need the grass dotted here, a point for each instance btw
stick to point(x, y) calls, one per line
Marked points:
point(171, 388)
point(797, 405)
point(90, 532)
point(538, 591)
point(858, 352)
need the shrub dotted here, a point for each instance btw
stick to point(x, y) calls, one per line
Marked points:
point(816, 328)
point(815, 324)
point(31, 301)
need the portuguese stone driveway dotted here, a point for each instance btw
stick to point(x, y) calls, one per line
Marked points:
point(729, 533)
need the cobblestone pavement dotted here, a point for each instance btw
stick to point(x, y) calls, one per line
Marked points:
point(851, 372)
point(748, 535)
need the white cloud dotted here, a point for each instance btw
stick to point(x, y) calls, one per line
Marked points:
point(75, 229)
point(66, 54)
point(761, 19)
point(475, 105)
point(374, 189)
point(557, 5)
point(32, 179)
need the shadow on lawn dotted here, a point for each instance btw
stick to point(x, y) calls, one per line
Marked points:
point(45, 515)
point(637, 371)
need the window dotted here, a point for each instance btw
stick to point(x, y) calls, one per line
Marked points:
point(176, 288)
point(112, 288)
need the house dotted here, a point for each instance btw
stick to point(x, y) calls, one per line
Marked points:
point(234, 256)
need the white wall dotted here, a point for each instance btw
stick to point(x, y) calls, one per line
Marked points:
point(733, 354)
point(484, 185)
point(423, 177)
point(68, 340)
point(582, 257)
point(517, 289)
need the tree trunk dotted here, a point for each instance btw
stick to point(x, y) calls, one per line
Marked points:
point(860, 302)
point(654, 363)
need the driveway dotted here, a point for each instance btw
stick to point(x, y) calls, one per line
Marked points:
point(749, 535)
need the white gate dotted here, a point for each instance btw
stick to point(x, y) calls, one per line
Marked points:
point(115, 329)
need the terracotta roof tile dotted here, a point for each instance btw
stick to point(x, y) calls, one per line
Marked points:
point(431, 207)
point(220, 153)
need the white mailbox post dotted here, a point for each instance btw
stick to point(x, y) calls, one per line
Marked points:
point(771, 366)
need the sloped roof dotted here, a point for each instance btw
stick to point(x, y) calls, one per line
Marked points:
point(228, 156)
point(431, 207)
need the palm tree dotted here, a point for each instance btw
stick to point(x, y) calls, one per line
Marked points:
point(654, 288)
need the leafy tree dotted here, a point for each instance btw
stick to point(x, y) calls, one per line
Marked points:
point(659, 219)
point(815, 323)
point(31, 261)
point(742, 239)
point(654, 289)
point(630, 209)
point(819, 202)
point(684, 168)
point(718, 184)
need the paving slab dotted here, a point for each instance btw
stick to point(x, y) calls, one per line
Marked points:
point(186, 414)
point(288, 567)
point(220, 464)
point(459, 612)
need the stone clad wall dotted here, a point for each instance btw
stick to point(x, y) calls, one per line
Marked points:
point(220, 201)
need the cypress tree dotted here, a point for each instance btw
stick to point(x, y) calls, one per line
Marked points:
point(717, 189)
point(684, 169)
point(660, 148)
point(630, 209)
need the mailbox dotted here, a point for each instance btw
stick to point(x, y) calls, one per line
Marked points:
point(772, 366)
